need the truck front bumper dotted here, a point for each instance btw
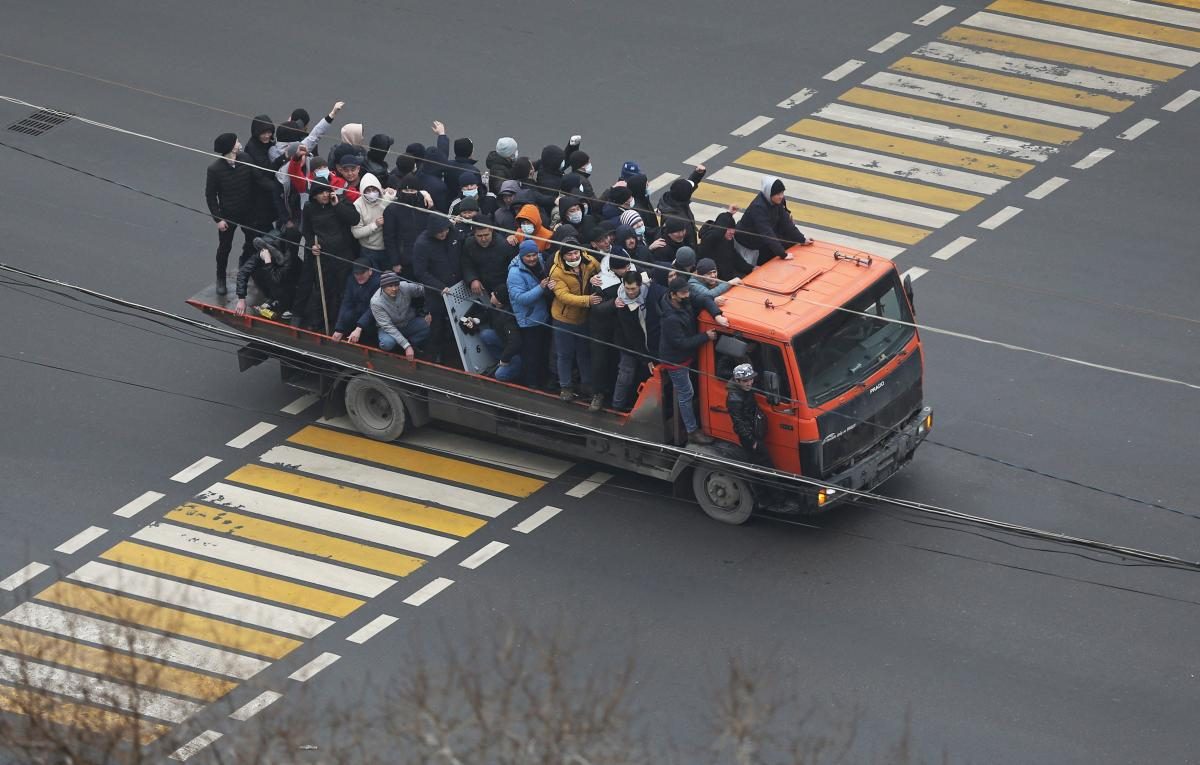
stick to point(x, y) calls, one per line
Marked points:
point(880, 463)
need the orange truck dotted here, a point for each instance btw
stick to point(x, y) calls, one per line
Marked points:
point(830, 331)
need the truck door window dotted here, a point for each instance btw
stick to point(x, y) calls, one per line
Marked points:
point(764, 357)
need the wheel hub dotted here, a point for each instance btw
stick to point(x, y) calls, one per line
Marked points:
point(723, 491)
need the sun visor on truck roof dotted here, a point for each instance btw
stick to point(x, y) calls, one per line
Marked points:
point(783, 277)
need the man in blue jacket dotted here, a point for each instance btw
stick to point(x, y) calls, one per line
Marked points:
point(354, 317)
point(530, 290)
point(677, 348)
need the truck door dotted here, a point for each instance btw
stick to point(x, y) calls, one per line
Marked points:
point(764, 356)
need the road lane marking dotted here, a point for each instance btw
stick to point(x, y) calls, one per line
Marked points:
point(932, 152)
point(422, 596)
point(1000, 218)
point(934, 15)
point(433, 465)
point(483, 555)
point(98, 661)
point(660, 181)
point(1084, 39)
point(346, 524)
point(537, 519)
point(884, 165)
point(1092, 159)
point(1182, 101)
point(588, 485)
point(133, 507)
point(59, 711)
point(847, 200)
point(1061, 53)
point(191, 597)
point(952, 249)
point(20, 577)
point(1097, 21)
point(119, 637)
point(798, 97)
point(914, 273)
point(195, 469)
point(372, 628)
point(195, 746)
point(1042, 70)
point(81, 540)
point(1017, 86)
point(978, 99)
point(1137, 130)
point(856, 179)
point(123, 696)
point(347, 498)
point(934, 131)
point(819, 216)
point(163, 618)
point(255, 705)
point(497, 454)
point(752, 126)
point(251, 435)
point(887, 43)
point(843, 70)
point(218, 547)
point(704, 155)
point(309, 670)
point(1047, 188)
point(300, 404)
point(1147, 11)
point(337, 469)
point(322, 546)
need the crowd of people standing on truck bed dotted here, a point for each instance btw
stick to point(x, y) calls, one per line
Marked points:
point(348, 245)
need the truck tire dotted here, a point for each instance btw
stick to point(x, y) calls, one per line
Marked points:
point(723, 496)
point(375, 408)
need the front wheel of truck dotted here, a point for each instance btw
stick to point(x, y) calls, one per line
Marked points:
point(723, 496)
point(375, 408)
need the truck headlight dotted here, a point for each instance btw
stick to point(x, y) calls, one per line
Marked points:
point(825, 495)
point(926, 425)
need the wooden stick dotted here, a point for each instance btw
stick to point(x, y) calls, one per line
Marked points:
point(321, 283)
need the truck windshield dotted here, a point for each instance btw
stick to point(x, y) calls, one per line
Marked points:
point(844, 348)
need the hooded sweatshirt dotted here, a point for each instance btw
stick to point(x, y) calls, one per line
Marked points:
point(352, 143)
point(267, 195)
point(368, 233)
point(713, 244)
point(377, 156)
point(768, 227)
point(541, 234)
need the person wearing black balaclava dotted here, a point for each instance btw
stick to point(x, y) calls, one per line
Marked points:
point(404, 222)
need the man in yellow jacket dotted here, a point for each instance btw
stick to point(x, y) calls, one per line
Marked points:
point(572, 272)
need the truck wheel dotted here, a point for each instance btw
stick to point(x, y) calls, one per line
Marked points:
point(375, 408)
point(723, 496)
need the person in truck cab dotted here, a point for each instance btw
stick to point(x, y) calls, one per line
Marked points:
point(749, 422)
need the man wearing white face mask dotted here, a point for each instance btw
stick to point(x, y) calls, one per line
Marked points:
point(471, 187)
point(581, 164)
point(369, 229)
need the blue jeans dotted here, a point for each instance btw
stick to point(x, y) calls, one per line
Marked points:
point(681, 380)
point(416, 331)
point(572, 342)
point(510, 372)
point(626, 377)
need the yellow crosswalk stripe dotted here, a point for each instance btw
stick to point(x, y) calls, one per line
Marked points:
point(906, 147)
point(1097, 22)
point(280, 535)
point(358, 500)
point(170, 620)
point(126, 669)
point(45, 708)
point(199, 571)
point(998, 124)
point(415, 461)
point(855, 179)
point(1017, 86)
point(817, 216)
point(1063, 54)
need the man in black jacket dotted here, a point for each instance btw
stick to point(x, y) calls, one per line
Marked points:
point(678, 342)
point(435, 266)
point(274, 271)
point(676, 203)
point(636, 362)
point(766, 229)
point(355, 322)
point(227, 190)
point(326, 228)
point(485, 260)
point(749, 422)
point(267, 195)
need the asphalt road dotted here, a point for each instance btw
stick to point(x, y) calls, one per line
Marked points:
point(997, 649)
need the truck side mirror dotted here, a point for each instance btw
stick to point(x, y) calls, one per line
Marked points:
point(770, 381)
point(908, 290)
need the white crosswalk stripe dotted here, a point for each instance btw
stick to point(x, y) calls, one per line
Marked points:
point(846, 200)
point(1138, 10)
point(1081, 38)
point(881, 163)
point(932, 131)
point(1040, 70)
point(980, 99)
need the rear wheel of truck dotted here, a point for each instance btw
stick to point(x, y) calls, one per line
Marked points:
point(375, 408)
point(723, 496)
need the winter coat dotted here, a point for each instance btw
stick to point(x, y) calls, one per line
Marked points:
point(699, 290)
point(749, 422)
point(282, 268)
point(287, 149)
point(392, 313)
point(267, 194)
point(434, 265)
point(713, 244)
point(634, 327)
point(572, 291)
point(430, 174)
point(764, 225)
point(352, 143)
point(681, 207)
point(529, 299)
point(541, 234)
point(453, 174)
point(356, 305)
point(228, 189)
point(488, 264)
point(329, 226)
point(377, 155)
point(401, 227)
point(499, 170)
point(679, 338)
point(368, 233)
point(643, 205)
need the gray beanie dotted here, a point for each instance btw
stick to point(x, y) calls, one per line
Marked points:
point(507, 147)
point(685, 257)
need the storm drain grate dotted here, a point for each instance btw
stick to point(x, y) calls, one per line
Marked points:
point(40, 121)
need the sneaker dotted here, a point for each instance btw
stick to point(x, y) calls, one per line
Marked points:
point(566, 394)
point(287, 316)
point(597, 403)
point(700, 438)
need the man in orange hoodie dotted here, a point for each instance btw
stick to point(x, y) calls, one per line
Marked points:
point(529, 223)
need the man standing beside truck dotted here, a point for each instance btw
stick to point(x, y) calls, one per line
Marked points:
point(677, 348)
